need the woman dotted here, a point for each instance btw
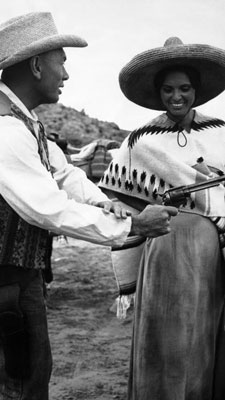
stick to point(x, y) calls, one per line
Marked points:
point(177, 345)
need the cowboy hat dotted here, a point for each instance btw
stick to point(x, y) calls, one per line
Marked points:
point(31, 34)
point(137, 78)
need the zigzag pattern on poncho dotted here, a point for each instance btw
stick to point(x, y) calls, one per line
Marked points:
point(152, 129)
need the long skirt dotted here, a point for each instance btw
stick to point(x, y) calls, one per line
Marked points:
point(178, 346)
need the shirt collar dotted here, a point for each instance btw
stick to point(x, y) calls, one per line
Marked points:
point(11, 95)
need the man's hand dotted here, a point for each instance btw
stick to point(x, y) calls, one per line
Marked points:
point(115, 208)
point(153, 221)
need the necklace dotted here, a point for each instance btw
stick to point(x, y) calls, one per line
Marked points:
point(181, 136)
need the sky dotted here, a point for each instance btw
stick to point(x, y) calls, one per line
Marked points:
point(117, 30)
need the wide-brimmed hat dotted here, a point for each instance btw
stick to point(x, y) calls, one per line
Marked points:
point(31, 34)
point(137, 78)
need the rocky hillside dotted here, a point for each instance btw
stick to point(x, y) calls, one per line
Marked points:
point(76, 126)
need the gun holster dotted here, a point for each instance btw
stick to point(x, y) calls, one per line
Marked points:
point(12, 332)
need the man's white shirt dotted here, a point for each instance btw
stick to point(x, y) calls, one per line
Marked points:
point(65, 204)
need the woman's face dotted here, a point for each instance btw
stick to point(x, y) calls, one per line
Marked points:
point(177, 94)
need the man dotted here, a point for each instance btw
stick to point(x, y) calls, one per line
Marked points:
point(40, 191)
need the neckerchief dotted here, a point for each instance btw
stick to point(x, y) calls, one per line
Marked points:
point(41, 138)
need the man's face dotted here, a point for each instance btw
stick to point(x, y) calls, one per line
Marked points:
point(53, 75)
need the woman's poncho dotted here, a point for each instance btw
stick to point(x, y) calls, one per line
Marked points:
point(161, 155)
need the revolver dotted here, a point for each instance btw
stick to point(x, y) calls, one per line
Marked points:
point(178, 196)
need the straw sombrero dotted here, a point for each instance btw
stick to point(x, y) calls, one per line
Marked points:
point(31, 34)
point(137, 77)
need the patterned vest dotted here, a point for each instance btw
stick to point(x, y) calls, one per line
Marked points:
point(22, 244)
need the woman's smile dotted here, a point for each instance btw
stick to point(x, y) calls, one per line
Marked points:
point(177, 94)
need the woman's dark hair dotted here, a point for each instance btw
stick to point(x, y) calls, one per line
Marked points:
point(191, 72)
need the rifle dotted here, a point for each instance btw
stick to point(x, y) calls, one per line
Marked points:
point(178, 196)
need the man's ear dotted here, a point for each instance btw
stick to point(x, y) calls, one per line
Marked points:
point(35, 66)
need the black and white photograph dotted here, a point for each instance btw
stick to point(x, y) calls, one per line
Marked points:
point(112, 200)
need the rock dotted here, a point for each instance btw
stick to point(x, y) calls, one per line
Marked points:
point(76, 126)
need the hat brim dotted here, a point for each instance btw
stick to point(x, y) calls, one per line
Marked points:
point(41, 46)
point(137, 77)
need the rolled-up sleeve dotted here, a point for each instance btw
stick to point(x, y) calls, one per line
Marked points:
point(62, 203)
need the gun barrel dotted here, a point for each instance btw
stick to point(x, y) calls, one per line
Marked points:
point(178, 195)
point(194, 187)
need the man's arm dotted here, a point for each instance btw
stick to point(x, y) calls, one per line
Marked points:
point(151, 222)
point(147, 220)
point(30, 190)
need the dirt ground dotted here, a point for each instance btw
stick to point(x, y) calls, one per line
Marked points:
point(90, 345)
